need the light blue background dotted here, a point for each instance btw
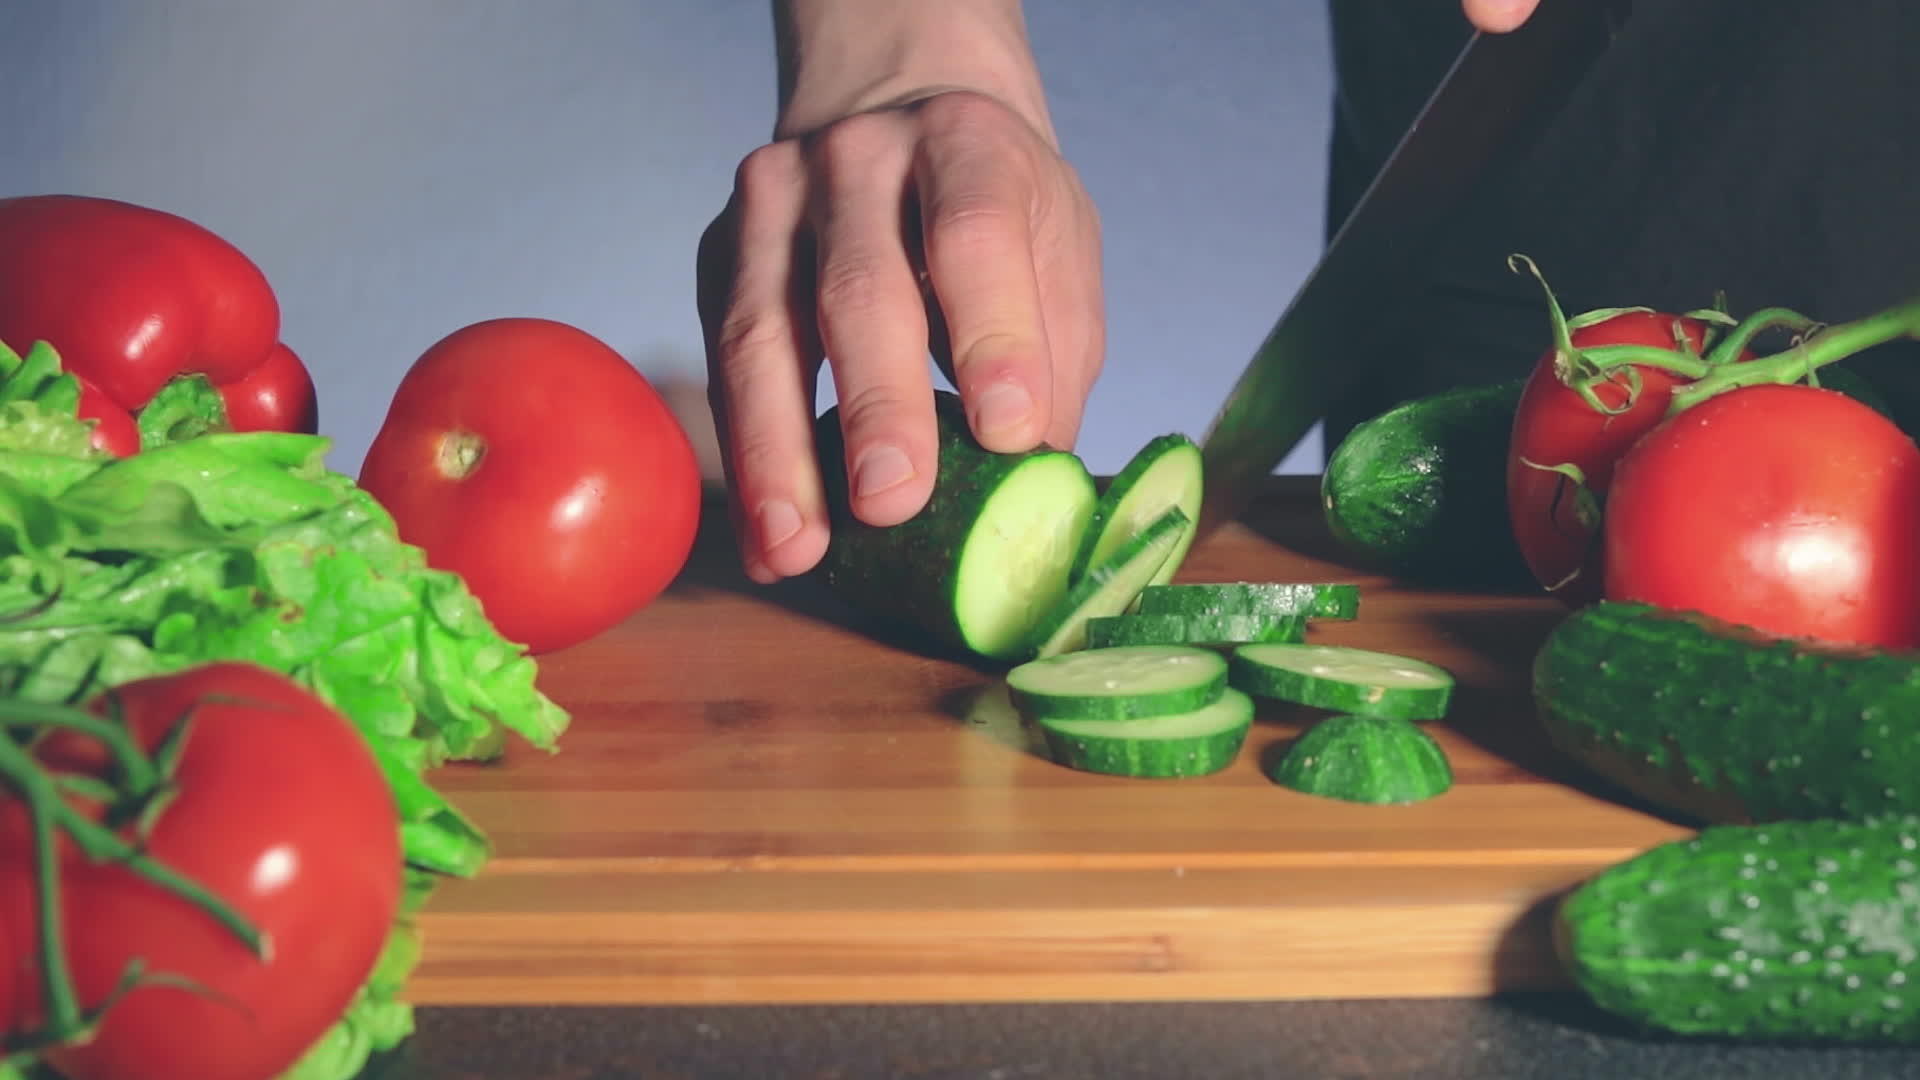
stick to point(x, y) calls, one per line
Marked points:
point(400, 168)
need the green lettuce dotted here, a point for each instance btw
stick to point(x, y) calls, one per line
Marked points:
point(215, 545)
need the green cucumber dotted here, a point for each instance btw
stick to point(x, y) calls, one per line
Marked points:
point(1210, 630)
point(1316, 600)
point(1111, 587)
point(1365, 759)
point(1195, 743)
point(1119, 683)
point(1797, 931)
point(1343, 679)
point(984, 562)
point(1420, 491)
point(1165, 474)
point(1719, 723)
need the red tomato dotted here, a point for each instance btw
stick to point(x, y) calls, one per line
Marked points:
point(1789, 509)
point(277, 395)
point(131, 296)
point(113, 429)
point(535, 462)
point(280, 810)
point(1554, 426)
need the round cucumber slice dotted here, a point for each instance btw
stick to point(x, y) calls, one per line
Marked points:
point(1112, 586)
point(1195, 743)
point(1207, 630)
point(1344, 679)
point(1165, 474)
point(1365, 759)
point(1317, 600)
point(1118, 684)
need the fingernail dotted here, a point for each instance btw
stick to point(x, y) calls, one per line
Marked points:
point(778, 522)
point(1002, 406)
point(881, 468)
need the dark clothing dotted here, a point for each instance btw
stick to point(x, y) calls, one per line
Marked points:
point(1768, 148)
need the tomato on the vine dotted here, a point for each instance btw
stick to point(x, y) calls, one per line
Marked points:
point(1555, 427)
point(277, 807)
point(534, 461)
point(1788, 508)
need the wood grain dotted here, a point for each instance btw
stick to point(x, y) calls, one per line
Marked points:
point(763, 799)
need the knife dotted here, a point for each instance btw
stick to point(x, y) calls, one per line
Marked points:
point(1500, 89)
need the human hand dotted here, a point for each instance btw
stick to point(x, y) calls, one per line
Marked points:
point(840, 242)
point(1498, 16)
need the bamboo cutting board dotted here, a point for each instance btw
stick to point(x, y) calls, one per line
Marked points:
point(763, 801)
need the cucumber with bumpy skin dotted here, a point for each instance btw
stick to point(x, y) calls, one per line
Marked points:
point(1112, 586)
point(1316, 600)
point(1118, 683)
point(1799, 931)
point(1208, 630)
point(1723, 724)
point(1165, 474)
point(988, 557)
point(1420, 491)
point(1365, 759)
point(1343, 679)
point(1195, 743)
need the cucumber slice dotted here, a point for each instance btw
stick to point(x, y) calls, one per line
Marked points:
point(1118, 684)
point(1343, 679)
point(1165, 474)
point(984, 561)
point(1366, 759)
point(1318, 600)
point(1210, 630)
point(1111, 587)
point(1194, 743)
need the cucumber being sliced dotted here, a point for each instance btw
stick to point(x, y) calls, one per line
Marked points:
point(1165, 474)
point(1111, 587)
point(1194, 743)
point(1365, 759)
point(1317, 600)
point(1118, 684)
point(1343, 679)
point(986, 559)
point(1209, 630)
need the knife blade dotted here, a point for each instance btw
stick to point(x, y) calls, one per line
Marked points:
point(1500, 89)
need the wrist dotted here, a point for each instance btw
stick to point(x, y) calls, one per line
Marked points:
point(841, 57)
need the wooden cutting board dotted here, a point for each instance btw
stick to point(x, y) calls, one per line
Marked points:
point(763, 801)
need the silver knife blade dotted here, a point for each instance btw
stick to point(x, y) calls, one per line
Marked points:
point(1501, 88)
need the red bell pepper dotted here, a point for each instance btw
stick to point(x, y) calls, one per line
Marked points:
point(132, 298)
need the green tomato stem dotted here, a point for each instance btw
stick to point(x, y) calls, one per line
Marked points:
point(137, 771)
point(1790, 365)
point(35, 787)
point(1608, 357)
point(1741, 336)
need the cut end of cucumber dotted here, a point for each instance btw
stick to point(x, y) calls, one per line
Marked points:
point(1014, 565)
point(1365, 759)
point(1344, 679)
point(1193, 743)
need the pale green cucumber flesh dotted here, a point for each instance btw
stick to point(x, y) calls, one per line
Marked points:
point(1343, 679)
point(1111, 587)
point(1118, 684)
point(1317, 600)
point(1791, 932)
point(1165, 474)
point(1365, 759)
point(1209, 630)
point(1195, 743)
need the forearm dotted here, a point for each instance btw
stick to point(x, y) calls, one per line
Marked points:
point(839, 57)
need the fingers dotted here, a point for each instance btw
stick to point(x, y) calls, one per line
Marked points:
point(977, 220)
point(762, 356)
point(872, 322)
point(1498, 16)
